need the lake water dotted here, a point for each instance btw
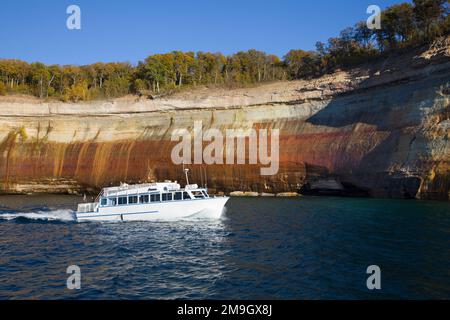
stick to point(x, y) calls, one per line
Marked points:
point(262, 248)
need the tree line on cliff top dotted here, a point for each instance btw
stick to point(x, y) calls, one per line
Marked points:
point(403, 26)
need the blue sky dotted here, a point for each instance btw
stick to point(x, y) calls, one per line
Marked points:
point(117, 30)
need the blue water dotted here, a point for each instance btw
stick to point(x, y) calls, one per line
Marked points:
point(264, 248)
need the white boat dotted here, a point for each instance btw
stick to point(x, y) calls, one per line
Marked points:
point(152, 201)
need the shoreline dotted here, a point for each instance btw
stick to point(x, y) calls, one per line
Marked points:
point(297, 197)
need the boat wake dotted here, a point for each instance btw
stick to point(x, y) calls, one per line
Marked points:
point(65, 215)
point(54, 215)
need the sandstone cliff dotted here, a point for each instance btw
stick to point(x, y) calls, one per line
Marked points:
point(380, 130)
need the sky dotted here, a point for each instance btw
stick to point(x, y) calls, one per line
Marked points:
point(118, 30)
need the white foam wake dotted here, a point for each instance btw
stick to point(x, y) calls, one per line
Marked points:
point(55, 215)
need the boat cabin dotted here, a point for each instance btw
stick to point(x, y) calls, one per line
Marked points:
point(149, 193)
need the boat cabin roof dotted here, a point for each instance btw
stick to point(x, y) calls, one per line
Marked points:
point(126, 189)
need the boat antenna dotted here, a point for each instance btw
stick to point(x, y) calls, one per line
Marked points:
point(187, 178)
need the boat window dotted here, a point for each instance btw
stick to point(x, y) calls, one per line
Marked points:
point(198, 194)
point(132, 199)
point(186, 195)
point(178, 196)
point(166, 197)
point(144, 199)
point(155, 198)
point(122, 200)
point(112, 201)
point(104, 201)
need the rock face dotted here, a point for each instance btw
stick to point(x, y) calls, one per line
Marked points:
point(380, 130)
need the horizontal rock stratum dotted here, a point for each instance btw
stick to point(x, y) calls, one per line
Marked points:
point(380, 130)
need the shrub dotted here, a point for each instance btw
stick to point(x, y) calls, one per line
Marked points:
point(77, 92)
point(116, 87)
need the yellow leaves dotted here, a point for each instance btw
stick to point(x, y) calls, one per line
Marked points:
point(2, 89)
point(77, 92)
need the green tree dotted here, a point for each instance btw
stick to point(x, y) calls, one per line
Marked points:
point(40, 76)
point(209, 67)
point(397, 25)
point(155, 71)
point(116, 87)
point(363, 35)
point(301, 63)
point(429, 14)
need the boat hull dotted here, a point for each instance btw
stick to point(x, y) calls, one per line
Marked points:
point(210, 208)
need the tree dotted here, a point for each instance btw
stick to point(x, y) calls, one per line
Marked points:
point(363, 35)
point(54, 73)
point(446, 23)
point(209, 67)
point(257, 64)
point(404, 14)
point(301, 63)
point(428, 14)
point(397, 25)
point(40, 77)
point(139, 86)
point(347, 41)
point(13, 72)
point(275, 68)
point(116, 87)
point(154, 71)
point(2, 89)
point(77, 92)
point(183, 64)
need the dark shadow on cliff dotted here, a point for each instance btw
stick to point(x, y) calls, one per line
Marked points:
point(319, 181)
point(377, 168)
point(392, 106)
point(396, 80)
point(397, 105)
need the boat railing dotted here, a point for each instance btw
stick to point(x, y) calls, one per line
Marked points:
point(97, 199)
point(110, 192)
point(115, 191)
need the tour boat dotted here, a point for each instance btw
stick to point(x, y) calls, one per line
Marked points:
point(152, 201)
